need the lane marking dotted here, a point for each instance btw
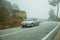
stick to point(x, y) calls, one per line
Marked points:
point(44, 38)
point(11, 33)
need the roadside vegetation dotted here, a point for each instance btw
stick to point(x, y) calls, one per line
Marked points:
point(52, 15)
point(10, 15)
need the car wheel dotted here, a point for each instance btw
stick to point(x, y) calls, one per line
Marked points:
point(23, 26)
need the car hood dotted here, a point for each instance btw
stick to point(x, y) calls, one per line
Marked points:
point(27, 22)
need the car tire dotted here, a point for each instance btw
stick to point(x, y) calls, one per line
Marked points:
point(23, 26)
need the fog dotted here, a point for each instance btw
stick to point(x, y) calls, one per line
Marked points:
point(34, 8)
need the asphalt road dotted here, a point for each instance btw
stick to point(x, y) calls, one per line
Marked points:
point(34, 33)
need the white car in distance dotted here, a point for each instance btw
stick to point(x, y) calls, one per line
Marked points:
point(30, 23)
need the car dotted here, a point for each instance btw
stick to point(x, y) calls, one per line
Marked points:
point(30, 22)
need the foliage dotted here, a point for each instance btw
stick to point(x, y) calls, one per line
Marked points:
point(54, 2)
point(15, 7)
point(52, 15)
point(5, 3)
point(2, 19)
point(9, 15)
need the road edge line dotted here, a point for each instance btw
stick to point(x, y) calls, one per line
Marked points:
point(44, 38)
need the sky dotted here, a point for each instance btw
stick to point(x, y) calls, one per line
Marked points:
point(34, 8)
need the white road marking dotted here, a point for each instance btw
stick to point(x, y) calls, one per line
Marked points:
point(44, 38)
point(41, 39)
point(11, 33)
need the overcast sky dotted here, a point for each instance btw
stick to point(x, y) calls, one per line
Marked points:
point(34, 8)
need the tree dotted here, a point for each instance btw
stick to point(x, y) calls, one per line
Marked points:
point(5, 3)
point(52, 15)
point(55, 3)
point(15, 7)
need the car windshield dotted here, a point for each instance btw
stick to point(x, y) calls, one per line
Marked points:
point(31, 19)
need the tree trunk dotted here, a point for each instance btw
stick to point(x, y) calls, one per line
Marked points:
point(57, 10)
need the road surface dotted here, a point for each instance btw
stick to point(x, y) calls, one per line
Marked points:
point(34, 33)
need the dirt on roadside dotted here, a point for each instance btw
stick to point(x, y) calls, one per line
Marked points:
point(57, 37)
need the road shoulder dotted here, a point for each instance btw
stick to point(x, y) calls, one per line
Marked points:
point(57, 37)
